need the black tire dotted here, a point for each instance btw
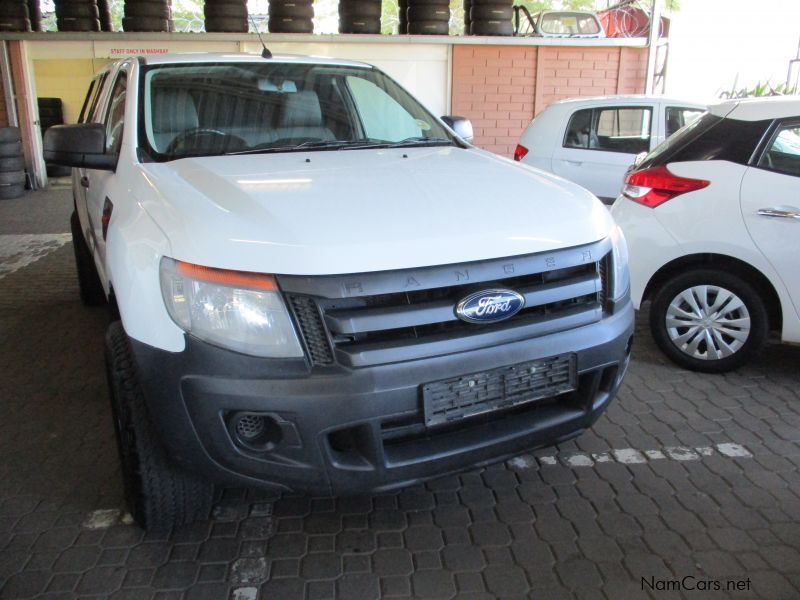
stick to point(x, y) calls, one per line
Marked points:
point(752, 305)
point(144, 24)
point(428, 27)
point(491, 12)
point(50, 113)
point(12, 178)
point(153, 10)
point(491, 28)
point(159, 495)
point(295, 10)
point(223, 25)
point(230, 10)
point(428, 3)
point(78, 10)
point(360, 8)
point(14, 24)
point(53, 103)
point(35, 15)
point(12, 163)
point(10, 149)
point(91, 290)
point(290, 25)
point(75, 24)
point(9, 192)
point(365, 25)
point(491, 3)
point(15, 10)
point(402, 27)
point(9, 134)
point(427, 13)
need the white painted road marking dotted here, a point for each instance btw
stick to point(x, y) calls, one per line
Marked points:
point(18, 251)
point(734, 450)
point(630, 456)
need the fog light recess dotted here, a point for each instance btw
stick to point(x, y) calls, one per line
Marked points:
point(254, 431)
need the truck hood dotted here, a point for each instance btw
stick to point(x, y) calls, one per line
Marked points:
point(355, 211)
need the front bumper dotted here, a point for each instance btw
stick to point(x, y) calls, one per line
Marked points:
point(343, 431)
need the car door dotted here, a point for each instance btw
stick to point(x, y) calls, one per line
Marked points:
point(599, 145)
point(770, 201)
point(99, 182)
point(90, 113)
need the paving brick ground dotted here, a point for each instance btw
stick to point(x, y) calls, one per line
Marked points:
point(687, 475)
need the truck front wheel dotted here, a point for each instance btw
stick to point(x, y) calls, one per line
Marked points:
point(158, 494)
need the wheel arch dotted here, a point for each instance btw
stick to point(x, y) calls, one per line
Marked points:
point(731, 265)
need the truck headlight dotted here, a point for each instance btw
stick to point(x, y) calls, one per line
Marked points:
point(621, 277)
point(233, 309)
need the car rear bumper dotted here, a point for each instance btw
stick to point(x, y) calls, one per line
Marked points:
point(343, 431)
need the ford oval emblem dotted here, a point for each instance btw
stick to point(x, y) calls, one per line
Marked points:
point(489, 306)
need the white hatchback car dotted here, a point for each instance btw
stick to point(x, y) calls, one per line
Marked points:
point(593, 141)
point(712, 219)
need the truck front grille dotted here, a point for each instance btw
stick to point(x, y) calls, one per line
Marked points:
point(377, 318)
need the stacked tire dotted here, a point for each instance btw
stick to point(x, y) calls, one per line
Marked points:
point(77, 15)
point(104, 8)
point(14, 16)
point(225, 16)
point(402, 17)
point(51, 112)
point(490, 17)
point(359, 16)
point(12, 164)
point(147, 15)
point(428, 17)
point(467, 19)
point(291, 16)
point(35, 15)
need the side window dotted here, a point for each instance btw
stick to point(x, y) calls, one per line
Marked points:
point(783, 153)
point(381, 115)
point(579, 129)
point(617, 129)
point(624, 129)
point(678, 116)
point(115, 117)
point(93, 110)
point(91, 98)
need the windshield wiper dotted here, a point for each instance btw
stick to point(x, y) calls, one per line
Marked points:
point(420, 141)
point(315, 145)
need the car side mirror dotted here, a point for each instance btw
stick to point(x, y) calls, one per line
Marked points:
point(461, 127)
point(81, 145)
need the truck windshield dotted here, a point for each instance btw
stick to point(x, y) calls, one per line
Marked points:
point(207, 109)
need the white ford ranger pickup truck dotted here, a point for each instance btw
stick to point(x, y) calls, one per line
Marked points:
point(318, 285)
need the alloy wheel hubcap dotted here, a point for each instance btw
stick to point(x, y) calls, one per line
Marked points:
point(708, 322)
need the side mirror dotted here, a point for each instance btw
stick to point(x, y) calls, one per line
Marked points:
point(460, 126)
point(81, 145)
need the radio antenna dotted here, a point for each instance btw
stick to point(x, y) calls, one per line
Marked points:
point(265, 53)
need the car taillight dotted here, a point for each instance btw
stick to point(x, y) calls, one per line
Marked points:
point(520, 152)
point(652, 187)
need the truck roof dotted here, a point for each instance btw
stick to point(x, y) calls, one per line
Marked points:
point(233, 57)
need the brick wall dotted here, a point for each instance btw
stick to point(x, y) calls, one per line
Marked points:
point(501, 88)
point(494, 87)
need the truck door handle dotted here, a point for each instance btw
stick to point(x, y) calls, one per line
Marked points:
point(574, 163)
point(85, 182)
point(783, 213)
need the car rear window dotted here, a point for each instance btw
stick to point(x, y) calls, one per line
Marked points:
point(710, 138)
